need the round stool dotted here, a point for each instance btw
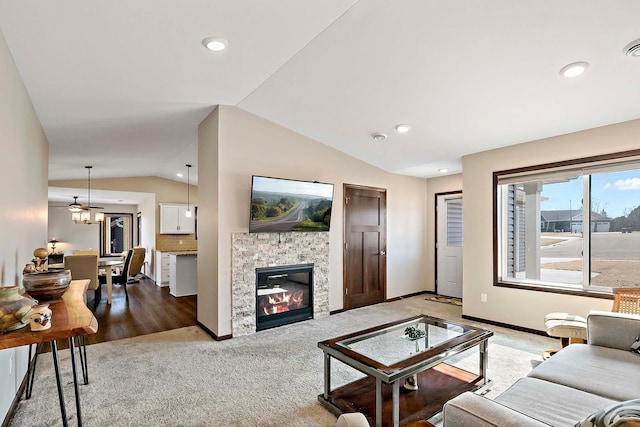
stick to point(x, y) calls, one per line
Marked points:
point(570, 328)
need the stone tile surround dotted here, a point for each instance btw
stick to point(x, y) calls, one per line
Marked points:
point(254, 250)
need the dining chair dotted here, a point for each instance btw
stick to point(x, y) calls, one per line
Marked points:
point(137, 260)
point(121, 278)
point(86, 252)
point(626, 300)
point(85, 267)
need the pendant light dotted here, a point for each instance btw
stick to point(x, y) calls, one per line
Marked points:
point(188, 213)
point(83, 215)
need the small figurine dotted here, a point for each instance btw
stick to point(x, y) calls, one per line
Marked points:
point(414, 333)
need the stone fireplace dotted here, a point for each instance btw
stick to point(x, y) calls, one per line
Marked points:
point(270, 251)
point(284, 294)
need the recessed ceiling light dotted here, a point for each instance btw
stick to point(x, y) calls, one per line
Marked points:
point(443, 170)
point(179, 175)
point(574, 69)
point(216, 44)
point(633, 48)
point(403, 128)
point(379, 137)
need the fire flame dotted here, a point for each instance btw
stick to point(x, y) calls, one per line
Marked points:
point(281, 303)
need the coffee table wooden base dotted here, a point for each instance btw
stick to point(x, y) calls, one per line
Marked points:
point(436, 386)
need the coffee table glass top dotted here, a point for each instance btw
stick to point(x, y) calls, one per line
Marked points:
point(394, 344)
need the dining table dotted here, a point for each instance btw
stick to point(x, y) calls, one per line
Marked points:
point(71, 319)
point(107, 264)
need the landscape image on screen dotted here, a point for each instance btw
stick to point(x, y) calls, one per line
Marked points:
point(280, 205)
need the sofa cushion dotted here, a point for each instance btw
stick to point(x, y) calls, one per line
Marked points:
point(603, 371)
point(551, 403)
point(617, 415)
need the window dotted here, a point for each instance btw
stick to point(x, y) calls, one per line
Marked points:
point(454, 222)
point(571, 226)
point(116, 234)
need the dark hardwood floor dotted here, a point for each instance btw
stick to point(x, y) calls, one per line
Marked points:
point(148, 309)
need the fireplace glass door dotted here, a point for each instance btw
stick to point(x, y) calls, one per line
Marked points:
point(284, 294)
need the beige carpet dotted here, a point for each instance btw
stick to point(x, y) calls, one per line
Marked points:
point(445, 300)
point(272, 378)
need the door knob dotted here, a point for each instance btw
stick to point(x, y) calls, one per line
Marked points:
point(383, 253)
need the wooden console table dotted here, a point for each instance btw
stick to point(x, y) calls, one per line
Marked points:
point(70, 319)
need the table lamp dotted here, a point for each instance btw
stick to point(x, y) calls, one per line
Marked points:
point(53, 245)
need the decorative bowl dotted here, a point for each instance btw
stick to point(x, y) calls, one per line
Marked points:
point(47, 285)
point(14, 309)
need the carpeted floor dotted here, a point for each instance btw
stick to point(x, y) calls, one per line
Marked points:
point(271, 378)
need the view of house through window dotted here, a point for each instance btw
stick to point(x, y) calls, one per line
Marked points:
point(572, 228)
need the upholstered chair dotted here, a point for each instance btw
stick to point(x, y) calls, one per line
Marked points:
point(85, 267)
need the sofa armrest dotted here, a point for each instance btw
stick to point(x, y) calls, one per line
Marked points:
point(470, 409)
point(613, 330)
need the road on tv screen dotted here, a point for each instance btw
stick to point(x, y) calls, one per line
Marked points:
point(286, 223)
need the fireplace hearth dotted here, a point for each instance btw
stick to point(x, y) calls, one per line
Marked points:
point(284, 294)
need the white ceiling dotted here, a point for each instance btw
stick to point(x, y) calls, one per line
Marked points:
point(122, 86)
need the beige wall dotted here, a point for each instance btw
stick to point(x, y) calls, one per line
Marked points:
point(435, 186)
point(249, 145)
point(514, 306)
point(208, 289)
point(23, 217)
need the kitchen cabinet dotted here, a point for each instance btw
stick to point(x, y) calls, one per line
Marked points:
point(173, 219)
point(183, 273)
point(162, 268)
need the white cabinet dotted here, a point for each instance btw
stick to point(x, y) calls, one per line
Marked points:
point(163, 263)
point(183, 276)
point(174, 220)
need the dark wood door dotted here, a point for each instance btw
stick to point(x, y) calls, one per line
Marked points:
point(365, 245)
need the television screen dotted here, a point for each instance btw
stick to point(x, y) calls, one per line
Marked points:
point(280, 205)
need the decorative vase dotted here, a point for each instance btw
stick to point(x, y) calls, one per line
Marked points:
point(47, 285)
point(15, 308)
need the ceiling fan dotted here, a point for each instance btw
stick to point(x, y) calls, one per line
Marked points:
point(77, 207)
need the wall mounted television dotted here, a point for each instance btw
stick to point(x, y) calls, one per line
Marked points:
point(283, 205)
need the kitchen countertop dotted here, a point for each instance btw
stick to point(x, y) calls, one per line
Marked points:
point(183, 253)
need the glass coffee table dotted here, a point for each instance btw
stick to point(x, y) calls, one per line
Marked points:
point(408, 352)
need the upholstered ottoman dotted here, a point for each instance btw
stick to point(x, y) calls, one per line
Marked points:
point(570, 328)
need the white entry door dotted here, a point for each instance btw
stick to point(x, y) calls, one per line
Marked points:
point(449, 245)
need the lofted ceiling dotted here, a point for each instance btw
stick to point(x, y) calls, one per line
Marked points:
point(122, 86)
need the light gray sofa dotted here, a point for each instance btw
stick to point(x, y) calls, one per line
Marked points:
point(579, 380)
